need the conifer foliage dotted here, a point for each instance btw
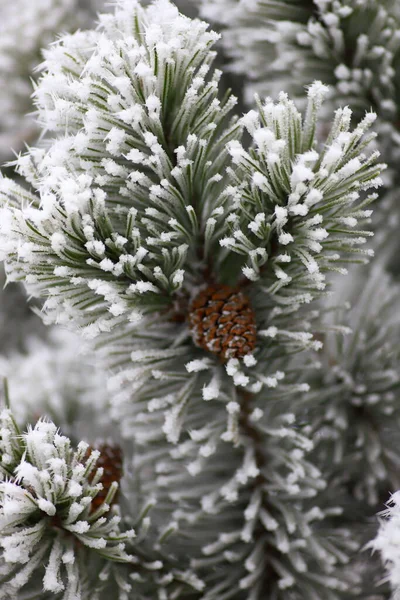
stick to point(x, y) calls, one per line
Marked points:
point(227, 434)
point(24, 29)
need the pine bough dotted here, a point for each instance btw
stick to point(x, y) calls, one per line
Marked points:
point(24, 29)
point(143, 193)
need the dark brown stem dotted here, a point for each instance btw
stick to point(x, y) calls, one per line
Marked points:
point(252, 433)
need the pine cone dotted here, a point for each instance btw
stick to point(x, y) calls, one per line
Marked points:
point(111, 461)
point(223, 322)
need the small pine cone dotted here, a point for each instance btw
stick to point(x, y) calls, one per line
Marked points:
point(111, 461)
point(223, 322)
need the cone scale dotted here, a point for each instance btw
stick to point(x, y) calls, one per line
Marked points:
point(222, 322)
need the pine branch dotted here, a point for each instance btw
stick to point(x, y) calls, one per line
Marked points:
point(26, 27)
point(188, 260)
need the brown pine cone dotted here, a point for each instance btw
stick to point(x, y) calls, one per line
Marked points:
point(111, 461)
point(222, 321)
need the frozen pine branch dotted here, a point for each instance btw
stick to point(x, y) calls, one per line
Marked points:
point(122, 247)
point(245, 510)
point(351, 45)
point(386, 542)
point(355, 396)
point(133, 185)
point(193, 250)
point(26, 28)
point(63, 391)
point(251, 30)
point(47, 488)
point(304, 197)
